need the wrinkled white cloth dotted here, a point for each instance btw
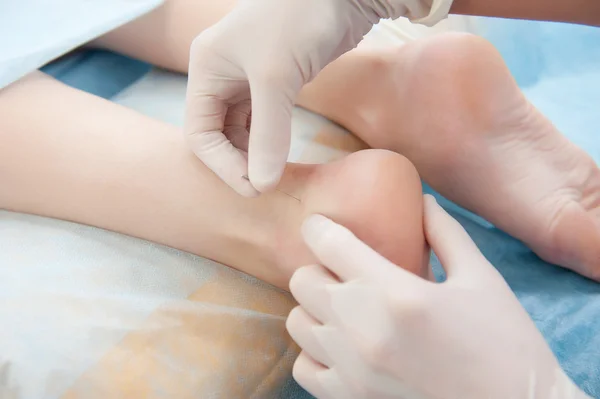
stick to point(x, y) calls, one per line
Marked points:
point(90, 314)
point(34, 32)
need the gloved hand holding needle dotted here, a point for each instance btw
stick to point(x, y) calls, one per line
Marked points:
point(246, 71)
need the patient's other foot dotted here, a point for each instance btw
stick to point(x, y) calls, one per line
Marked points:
point(375, 193)
point(450, 105)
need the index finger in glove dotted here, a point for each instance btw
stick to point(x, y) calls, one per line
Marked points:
point(271, 130)
point(206, 109)
point(207, 140)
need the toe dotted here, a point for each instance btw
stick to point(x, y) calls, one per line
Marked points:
point(576, 241)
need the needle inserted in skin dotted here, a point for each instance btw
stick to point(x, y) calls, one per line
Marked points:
point(283, 192)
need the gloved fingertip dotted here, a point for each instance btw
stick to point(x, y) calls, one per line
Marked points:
point(265, 181)
point(228, 162)
point(245, 189)
point(315, 225)
point(429, 199)
point(291, 324)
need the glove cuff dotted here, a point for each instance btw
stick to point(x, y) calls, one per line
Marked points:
point(437, 11)
point(424, 12)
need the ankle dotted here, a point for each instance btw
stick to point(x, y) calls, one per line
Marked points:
point(352, 106)
point(372, 103)
point(266, 235)
point(285, 245)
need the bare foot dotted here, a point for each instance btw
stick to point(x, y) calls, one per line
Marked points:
point(450, 105)
point(375, 193)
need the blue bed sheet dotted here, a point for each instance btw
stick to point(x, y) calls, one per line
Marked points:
point(98, 72)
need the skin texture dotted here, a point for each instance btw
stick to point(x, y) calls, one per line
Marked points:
point(97, 163)
point(163, 36)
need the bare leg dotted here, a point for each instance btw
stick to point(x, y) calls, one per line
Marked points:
point(450, 105)
point(70, 155)
point(163, 37)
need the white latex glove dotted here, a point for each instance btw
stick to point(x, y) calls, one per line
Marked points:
point(377, 331)
point(257, 59)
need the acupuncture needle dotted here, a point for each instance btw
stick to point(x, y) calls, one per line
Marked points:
point(282, 192)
